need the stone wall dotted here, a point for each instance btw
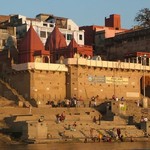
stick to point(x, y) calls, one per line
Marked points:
point(105, 82)
point(81, 80)
point(47, 85)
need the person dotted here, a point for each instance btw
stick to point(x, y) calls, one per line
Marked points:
point(89, 103)
point(122, 99)
point(41, 119)
point(117, 99)
point(100, 137)
point(94, 119)
point(62, 117)
point(67, 103)
point(30, 109)
point(74, 124)
point(58, 118)
point(69, 127)
point(113, 97)
point(95, 100)
point(138, 103)
point(118, 132)
point(99, 119)
point(142, 118)
point(131, 139)
point(145, 119)
point(121, 138)
point(85, 140)
point(91, 133)
point(92, 98)
point(75, 102)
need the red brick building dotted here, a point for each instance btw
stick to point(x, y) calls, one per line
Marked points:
point(114, 21)
point(31, 48)
point(56, 45)
point(95, 35)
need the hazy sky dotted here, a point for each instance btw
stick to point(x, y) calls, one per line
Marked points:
point(82, 12)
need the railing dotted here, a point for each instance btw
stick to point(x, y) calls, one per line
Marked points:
point(106, 64)
point(80, 61)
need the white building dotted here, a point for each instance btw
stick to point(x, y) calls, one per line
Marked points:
point(44, 25)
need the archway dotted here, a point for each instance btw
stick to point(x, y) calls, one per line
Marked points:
point(145, 87)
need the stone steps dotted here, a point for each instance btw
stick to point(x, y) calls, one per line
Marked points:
point(83, 120)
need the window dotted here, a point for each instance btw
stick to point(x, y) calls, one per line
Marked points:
point(43, 34)
point(44, 24)
point(80, 37)
point(69, 36)
point(51, 25)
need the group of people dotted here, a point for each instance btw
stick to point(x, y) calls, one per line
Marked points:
point(74, 101)
point(93, 101)
point(72, 127)
point(117, 99)
point(106, 138)
point(60, 117)
point(144, 119)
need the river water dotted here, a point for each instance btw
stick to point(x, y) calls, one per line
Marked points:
point(80, 146)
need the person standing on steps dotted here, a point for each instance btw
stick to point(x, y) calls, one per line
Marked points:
point(99, 119)
point(30, 109)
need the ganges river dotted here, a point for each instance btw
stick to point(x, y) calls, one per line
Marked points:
point(80, 146)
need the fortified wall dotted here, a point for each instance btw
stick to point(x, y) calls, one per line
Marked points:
point(40, 82)
point(89, 78)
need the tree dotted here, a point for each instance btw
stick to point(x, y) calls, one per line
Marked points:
point(143, 17)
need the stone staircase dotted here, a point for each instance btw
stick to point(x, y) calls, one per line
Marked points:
point(18, 97)
point(82, 116)
point(137, 112)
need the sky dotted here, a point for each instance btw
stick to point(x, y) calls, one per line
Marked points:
point(82, 12)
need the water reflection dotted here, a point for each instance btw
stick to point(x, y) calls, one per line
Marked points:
point(80, 146)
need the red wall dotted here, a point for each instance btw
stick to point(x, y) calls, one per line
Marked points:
point(113, 21)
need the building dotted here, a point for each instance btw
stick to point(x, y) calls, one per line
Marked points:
point(31, 48)
point(32, 44)
point(7, 36)
point(127, 43)
point(95, 35)
point(58, 48)
point(57, 70)
point(113, 21)
point(81, 77)
point(74, 74)
point(4, 18)
point(7, 41)
point(45, 26)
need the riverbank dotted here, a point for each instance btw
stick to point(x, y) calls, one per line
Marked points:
point(17, 119)
point(79, 146)
point(5, 139)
